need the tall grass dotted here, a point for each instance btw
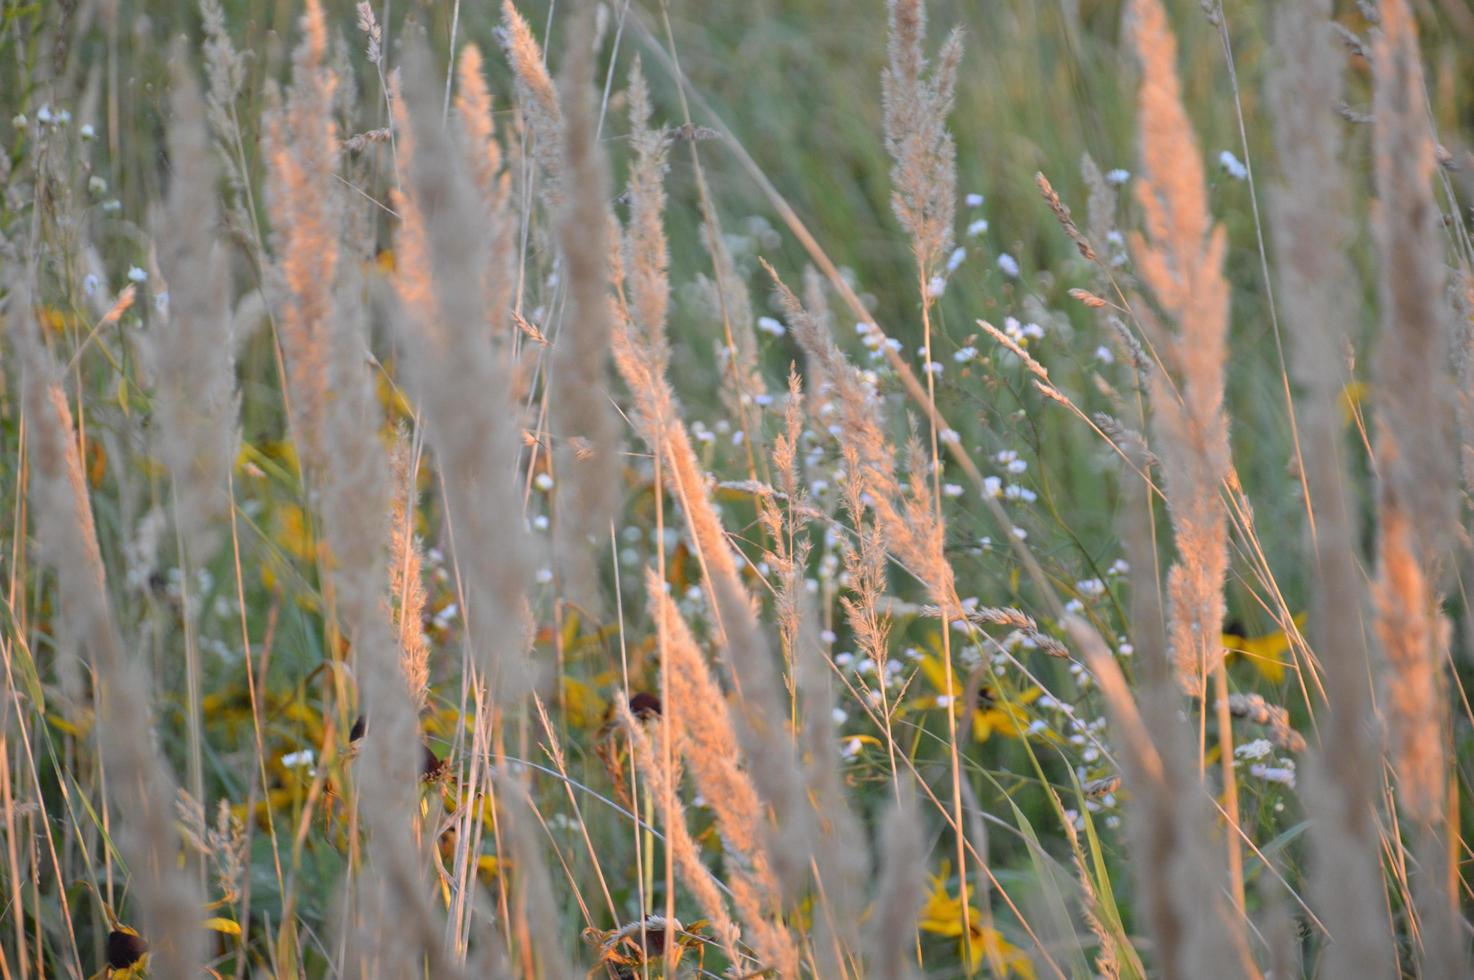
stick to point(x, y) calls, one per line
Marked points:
point(525, 493)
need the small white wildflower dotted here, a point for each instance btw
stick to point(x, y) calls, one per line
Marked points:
point(936, 287)
point(88, 132)
point(19, 120)
point(544, 576)
point(1008, 264)
point(540, 522)
point(1033, 330)
point(1091, 586)
point(1284, 775)
point(298, 760)
point(851, 748)
point(839, 716)
point(993, 487)
point(949, 436)
point(136, 274)
point(543, 481)
point(974, 200)
point(827, 636)
point(90, 282)
point(1015, 492)
point(1232, 166)
point(844, 658)
point(1103, 355)
point(951, 489)
point(943, 701)
point(63, 117)
point(1119, 567)
point(1021, 534)
point(1258, 749)
point(1037, 726)
point(1126, 649)
point(1118, 176)
point(96, 186)
point(965, 354)
point(893, 344)
point(1075, 606)
point(932, 367)
point(43, 114)
point(769, 325)
point(958, 256)
point(977, 227)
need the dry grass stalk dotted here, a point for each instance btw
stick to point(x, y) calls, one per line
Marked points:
point(302, 156)
point(538, 99)
point(191, 352)
point(1062, 215)
point(139, 781)
point(901, 891)
point(585, 425)
point(1180, 258)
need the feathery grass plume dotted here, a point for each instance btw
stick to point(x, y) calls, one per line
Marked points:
point(302, 155)
point(537, 98)
point(647, 257)
point(1182, 876)
point(708, 741)
point(138, 777)
point(444, 280)
point(906, 517)
point(406, 584)
point(1465, 361)
point(191, 350)
point(641, 352)
point(901, 891)
point(924, 165)
point(1181, 260)
point(1312, 234)
point(702, 883)
point(1415, 397)
point(584, 422)
point(394, 916)
point(484, 158)
point(1416, 469)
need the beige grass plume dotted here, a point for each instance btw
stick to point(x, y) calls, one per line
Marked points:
point(1180, 258)
point(191, 350)
point(585, 426)
point(1417, 472)
point(444, 280)
point(140, 784)
point(1312, 234)
point(537, 97)
point(924, 169)
point(302, 156)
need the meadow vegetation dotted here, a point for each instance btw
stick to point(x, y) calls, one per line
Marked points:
point(779, 489)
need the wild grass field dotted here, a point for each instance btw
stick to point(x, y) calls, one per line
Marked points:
point(794, 488)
